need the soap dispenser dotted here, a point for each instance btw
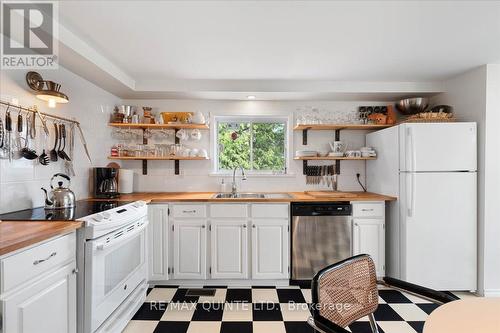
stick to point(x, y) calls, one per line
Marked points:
point(223, 186)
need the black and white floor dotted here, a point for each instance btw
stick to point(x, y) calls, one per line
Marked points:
point(263, 310)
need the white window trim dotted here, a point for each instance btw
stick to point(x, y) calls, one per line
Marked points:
point(287, 119)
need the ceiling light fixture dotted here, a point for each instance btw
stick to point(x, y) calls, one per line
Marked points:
point(46, 90)
point(251, 97)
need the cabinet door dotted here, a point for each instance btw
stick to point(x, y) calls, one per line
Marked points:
point(190, 241)
point(270, 250)
point(368, 237)
point(47, 305)
point(229, 255)
point(158, 242)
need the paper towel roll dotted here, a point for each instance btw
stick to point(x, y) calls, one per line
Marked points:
point(126, 181)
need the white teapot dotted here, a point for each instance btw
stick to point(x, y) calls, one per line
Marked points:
point(198, 118)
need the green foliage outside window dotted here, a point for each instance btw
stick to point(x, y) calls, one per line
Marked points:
point(257, 146)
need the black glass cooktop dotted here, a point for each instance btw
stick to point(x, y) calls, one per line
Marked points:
point(81, 209)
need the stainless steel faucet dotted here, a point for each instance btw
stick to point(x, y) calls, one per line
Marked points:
point(234, 189)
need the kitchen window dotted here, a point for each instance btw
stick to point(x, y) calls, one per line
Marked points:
point(259, 145)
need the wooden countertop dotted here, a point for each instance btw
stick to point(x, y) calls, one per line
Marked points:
point(18, 234)
point(161, 197)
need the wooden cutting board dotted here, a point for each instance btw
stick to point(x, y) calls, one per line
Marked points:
point(331, 194)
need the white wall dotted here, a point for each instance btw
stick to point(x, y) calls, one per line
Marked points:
point(492, 183)
point(195, 175)
point(475, 96)
point(20, 181)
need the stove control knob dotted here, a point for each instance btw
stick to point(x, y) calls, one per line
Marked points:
point(97, 218)
point(106, 215)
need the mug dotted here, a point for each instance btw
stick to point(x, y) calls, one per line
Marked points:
point(196, 134)
point(353, 153)
point(181, 134)
point(338, 146)
point(368, 154)
point(203, 153)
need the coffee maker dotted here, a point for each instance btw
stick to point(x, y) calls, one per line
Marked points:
point(106, 183)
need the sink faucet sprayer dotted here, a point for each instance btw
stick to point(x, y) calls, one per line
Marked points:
point(234, 189)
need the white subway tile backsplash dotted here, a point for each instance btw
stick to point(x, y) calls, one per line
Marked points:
point(20, 181)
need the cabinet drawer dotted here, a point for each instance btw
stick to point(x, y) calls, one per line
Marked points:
point(270, 210)
point(37, 260)
point(368, 209)
point(229, 210)
point(189, 211)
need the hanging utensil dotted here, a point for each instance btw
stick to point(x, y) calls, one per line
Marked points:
point(32, 127)
point(3, 143)
point(44, 159)
point(26, 151)
point(19, 129)
point(8, 129)
point(53, 152)
point(17, 154)
point(61, 141)
point(84, 143)
point(42, 120)
point(68, 164)
point(2, 134)
point(62, 153)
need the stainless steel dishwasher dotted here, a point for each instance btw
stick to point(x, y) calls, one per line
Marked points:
point(321, 235)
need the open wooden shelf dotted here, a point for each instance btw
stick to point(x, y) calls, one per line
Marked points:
point(158, 158)
point(176, 127)
point(333, 158)
point(326, 127)
point(160, 126)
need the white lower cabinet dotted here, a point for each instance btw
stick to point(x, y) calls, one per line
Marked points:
point(369, 238)
point(229, 249)
point(48, 305)
point(190, 249)
point(46, 301)
point(219, 241)
point(158, 242)
point(270, 249)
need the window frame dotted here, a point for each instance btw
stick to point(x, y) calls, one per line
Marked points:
point(251, 119)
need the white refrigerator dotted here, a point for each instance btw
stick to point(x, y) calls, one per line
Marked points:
point(431, 230)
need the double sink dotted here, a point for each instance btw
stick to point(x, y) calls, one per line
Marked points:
point(247, 195)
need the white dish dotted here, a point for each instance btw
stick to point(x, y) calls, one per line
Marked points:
point(306, 153)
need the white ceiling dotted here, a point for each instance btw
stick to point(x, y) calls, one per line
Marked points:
point(155, 43)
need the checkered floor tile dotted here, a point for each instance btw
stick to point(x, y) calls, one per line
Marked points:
point(263, 310)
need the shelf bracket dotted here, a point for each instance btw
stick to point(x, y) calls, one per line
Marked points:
point(144, 162)
point(176, 166)
point(304, 137)
point(337, 162)
point(176, 162)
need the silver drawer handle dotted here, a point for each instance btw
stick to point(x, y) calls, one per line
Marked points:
point(367, 210)
point(39, 261)
point(189, 211)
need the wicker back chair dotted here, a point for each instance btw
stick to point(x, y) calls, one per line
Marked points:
point(347, 291)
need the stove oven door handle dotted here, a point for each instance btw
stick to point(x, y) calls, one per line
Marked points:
point(119, 240)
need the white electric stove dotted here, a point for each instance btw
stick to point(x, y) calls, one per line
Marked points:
point(113, 267)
